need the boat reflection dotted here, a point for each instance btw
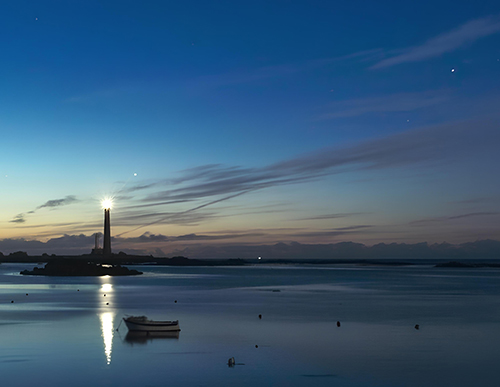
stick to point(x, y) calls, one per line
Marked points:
point(138, 337)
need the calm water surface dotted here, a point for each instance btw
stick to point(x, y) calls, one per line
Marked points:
point(62, 331)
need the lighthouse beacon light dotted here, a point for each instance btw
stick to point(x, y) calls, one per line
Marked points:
point(107, 203)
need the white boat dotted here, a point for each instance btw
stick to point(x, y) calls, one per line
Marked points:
point(143, 324)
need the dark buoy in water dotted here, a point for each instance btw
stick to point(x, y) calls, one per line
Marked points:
point(260, 316)
point(77, 290)
point(12, 302)
point(256, 346)
point(175, 302)
point(104, 295)
point(107, 303)
point(338, 323)
point(26, 293)
point(417, 326)
point(231, 362)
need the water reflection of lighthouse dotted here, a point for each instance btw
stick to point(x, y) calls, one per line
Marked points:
point(107, 319)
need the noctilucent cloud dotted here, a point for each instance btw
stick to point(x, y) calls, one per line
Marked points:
point(240, 123)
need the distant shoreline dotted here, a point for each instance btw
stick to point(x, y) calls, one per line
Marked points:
point(132, 260)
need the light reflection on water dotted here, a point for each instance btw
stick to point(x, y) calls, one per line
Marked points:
point(107, 332)
point(105, 298)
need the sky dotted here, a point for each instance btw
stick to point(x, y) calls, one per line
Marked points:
point(235, 123)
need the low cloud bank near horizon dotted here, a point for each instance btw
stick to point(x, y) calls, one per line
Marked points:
point(82, 244)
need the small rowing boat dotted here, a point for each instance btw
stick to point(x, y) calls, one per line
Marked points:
point(142, 323)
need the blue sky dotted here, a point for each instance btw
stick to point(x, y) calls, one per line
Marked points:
point(248, 122)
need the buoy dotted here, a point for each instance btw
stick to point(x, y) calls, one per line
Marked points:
point(260, 316)
point(417, 326)
point(12, 302)
point(256, 346)
point(26, 293)
point(104, 295)
point(338, 323)
point(107, 303)
point(175, 301)
point(231, 362)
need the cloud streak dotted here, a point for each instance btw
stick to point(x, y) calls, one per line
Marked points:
point(180, 215)
point(58, 202)
point(424, 222)
point(333, 216)
point(276, 71)
point(425, 146)
point(400, 102)
point(21, 218)
point(154, 238)
point(449, 41)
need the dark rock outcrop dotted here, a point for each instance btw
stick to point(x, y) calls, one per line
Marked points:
point(69, 267)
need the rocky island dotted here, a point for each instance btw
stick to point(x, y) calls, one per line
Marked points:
point(70, 267)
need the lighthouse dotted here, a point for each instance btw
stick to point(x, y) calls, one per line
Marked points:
point(107, 233)
point(106, 249)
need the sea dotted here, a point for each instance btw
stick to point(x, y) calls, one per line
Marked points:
point(285, 325)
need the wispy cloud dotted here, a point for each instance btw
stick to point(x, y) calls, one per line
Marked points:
point(207, 186)
point(277, 71)
point(180, 217)
point(333, 216)
point(400, 102)
point(334, 232)
point(446, 42)
point(423, 222)
point(479, 200)
point(58, 202)
point(205, 237)
point(211, 184)
point(21, 218)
